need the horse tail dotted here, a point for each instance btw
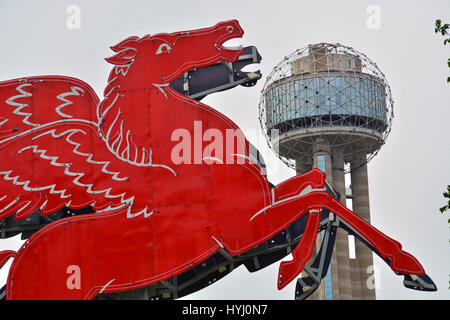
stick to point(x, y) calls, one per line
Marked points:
point(5, 255)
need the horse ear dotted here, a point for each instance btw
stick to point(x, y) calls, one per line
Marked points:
point(123, 57)
point(123, 44)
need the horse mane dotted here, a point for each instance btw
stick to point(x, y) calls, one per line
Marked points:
point(125, 52)
point(123, 125)
point(112, 111)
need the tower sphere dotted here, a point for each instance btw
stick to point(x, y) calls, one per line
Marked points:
point(329, 93)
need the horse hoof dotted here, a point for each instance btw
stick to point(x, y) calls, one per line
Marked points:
point(419, 282)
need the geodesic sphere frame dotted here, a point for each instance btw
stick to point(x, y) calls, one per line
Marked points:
point(331, 91)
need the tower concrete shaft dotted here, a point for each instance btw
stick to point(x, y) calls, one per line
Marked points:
point(363, 264)
point(322, 160)
point(350, 278)
point(343, 272)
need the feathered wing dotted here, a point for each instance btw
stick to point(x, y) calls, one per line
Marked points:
point(55, 166)
point(28, 103)
point(51, 155)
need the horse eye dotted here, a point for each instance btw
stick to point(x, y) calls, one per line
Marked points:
point(160, 48)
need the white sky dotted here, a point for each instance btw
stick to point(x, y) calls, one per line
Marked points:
point(407, 177)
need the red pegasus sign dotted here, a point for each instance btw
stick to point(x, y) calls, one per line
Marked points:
point(155, 218)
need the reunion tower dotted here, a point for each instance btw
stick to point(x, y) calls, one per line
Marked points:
point(333, 110)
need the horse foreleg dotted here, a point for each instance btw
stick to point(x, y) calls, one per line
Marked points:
point(290, 269)
point(388, 248)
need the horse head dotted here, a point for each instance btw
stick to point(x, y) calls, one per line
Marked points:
point(148, 64)
point(161, 58)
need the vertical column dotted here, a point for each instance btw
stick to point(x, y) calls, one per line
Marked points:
point(322, 147)
point(361, 207)
point(356, 279)
point(302, 165)
point(322, 161)
point(342, 276)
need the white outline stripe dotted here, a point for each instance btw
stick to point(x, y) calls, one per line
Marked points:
point(20, 106)
point(220, 244)
point(106, 285)
point(62, 97)
point(306, 190)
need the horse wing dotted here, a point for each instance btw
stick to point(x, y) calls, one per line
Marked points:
point(65, 163)
point(27, 103)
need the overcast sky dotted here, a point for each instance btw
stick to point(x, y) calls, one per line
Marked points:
point(407, 177)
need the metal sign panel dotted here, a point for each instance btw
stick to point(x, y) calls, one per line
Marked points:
point(171, 179)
